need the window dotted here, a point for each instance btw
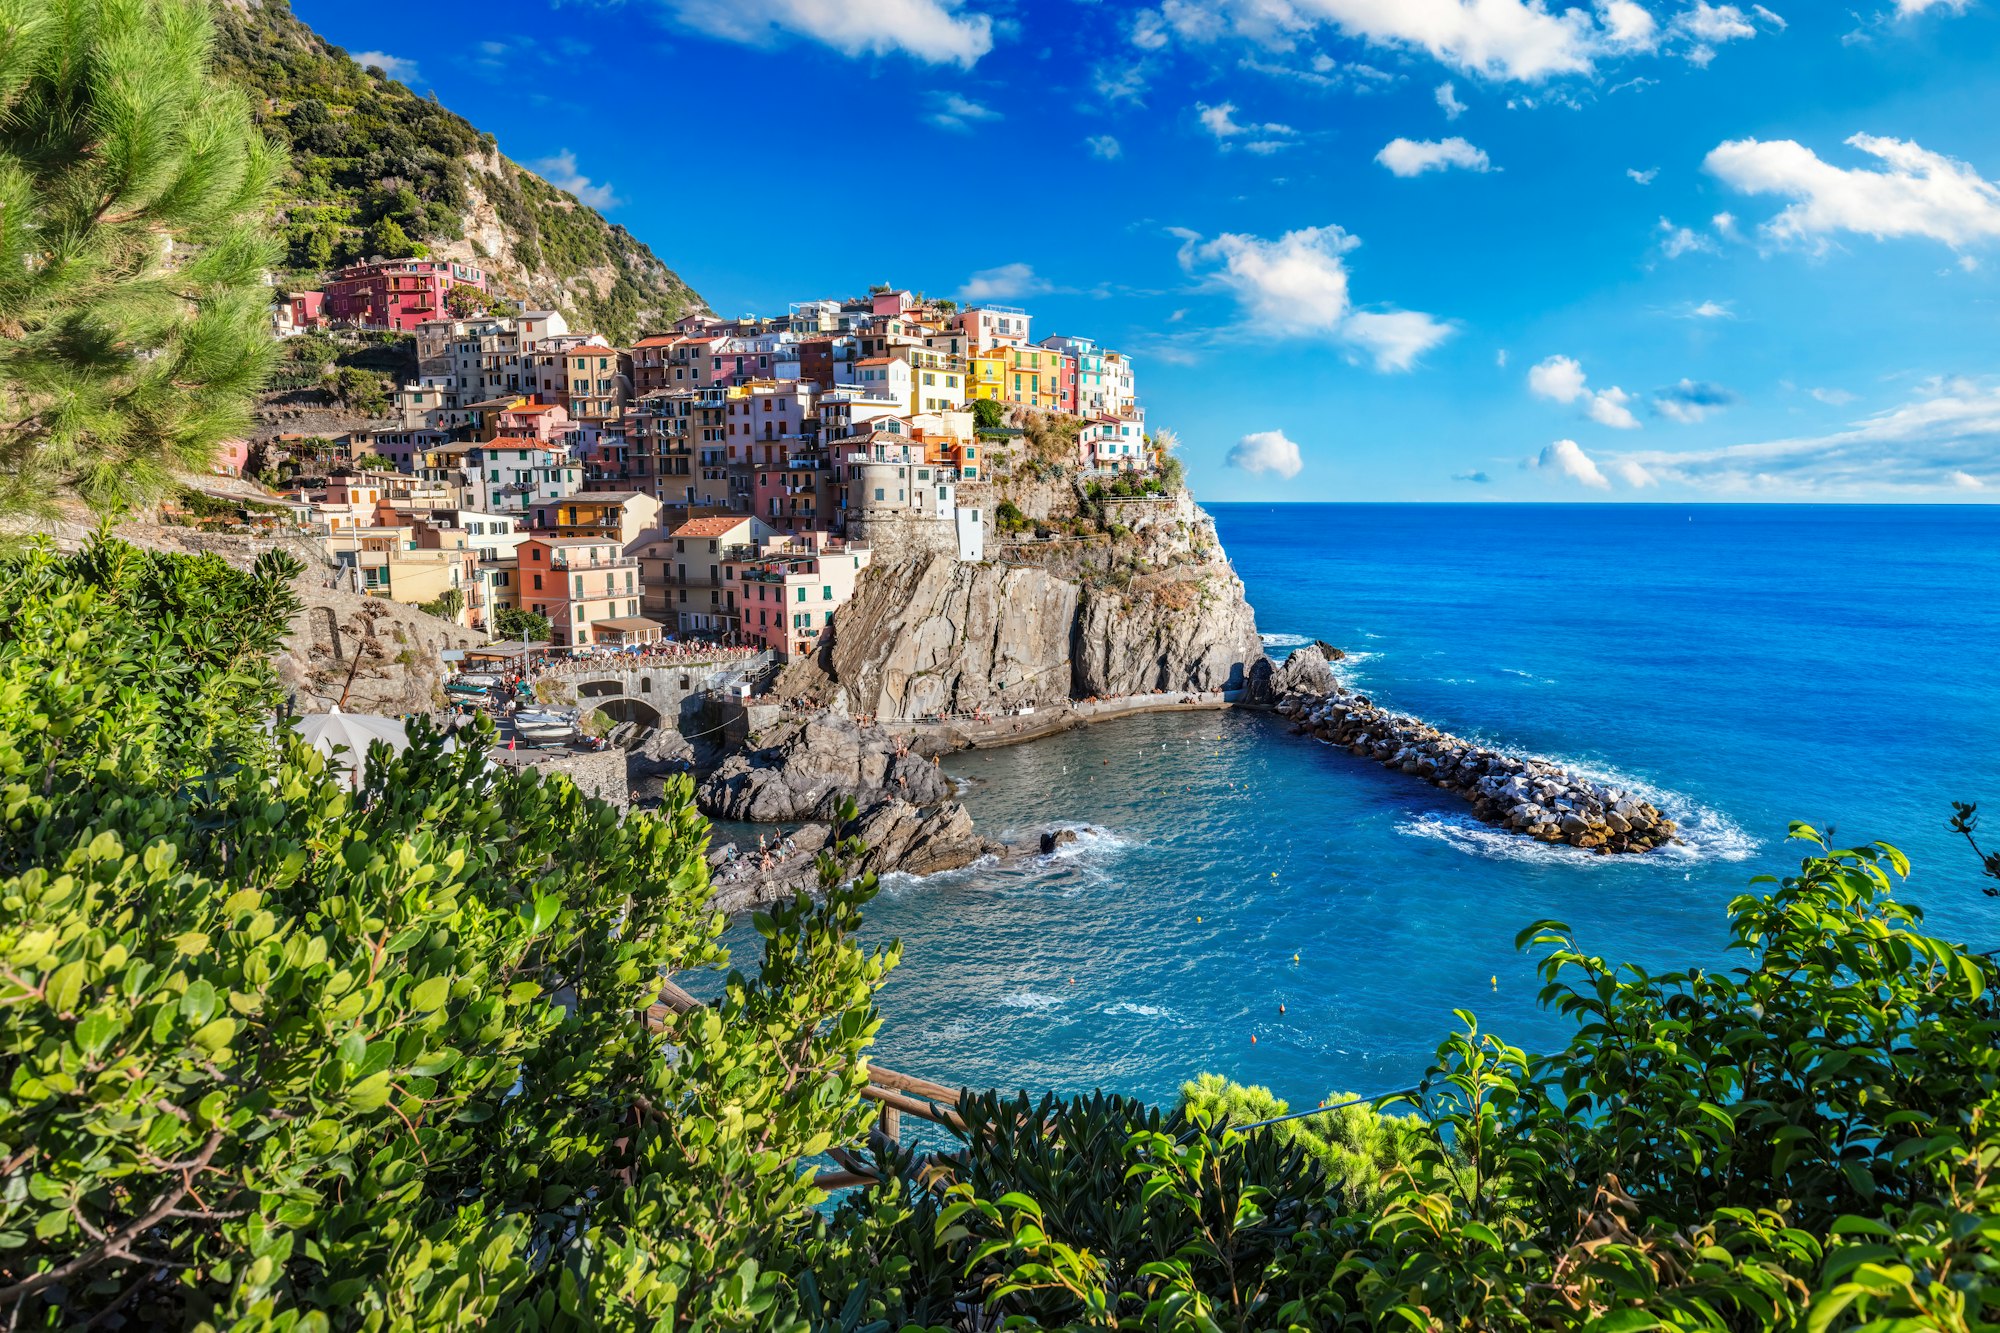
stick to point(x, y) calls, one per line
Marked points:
point(802, 593)
point(878, 492)
point(826, 592)
point(538, 583)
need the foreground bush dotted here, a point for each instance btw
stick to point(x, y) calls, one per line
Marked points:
point(278, 1054)
point(281, 1055)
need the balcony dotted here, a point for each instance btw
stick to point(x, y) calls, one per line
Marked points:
point(560, 561)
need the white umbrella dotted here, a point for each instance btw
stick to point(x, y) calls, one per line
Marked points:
point(351, 733)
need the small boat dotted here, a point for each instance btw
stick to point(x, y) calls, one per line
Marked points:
point(472, 683)
point(544, 724)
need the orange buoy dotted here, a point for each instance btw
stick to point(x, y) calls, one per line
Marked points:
point(1281, 1006)
point(1253, 1039)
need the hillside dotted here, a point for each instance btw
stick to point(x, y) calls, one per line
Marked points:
point(376, 169)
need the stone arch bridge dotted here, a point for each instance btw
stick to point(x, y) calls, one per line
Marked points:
point(652, 694)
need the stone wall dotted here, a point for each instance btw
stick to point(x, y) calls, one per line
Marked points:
point(599, 773)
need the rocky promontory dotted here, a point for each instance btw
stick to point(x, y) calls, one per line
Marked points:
point(1146, 602)
point(895, 835)
point(816, 766)
point(1533, 797)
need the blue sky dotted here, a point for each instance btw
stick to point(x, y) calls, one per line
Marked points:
point(1360, 249)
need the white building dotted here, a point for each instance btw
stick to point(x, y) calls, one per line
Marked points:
point(990, 326)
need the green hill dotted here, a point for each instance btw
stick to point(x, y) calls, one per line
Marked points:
point(378, 170)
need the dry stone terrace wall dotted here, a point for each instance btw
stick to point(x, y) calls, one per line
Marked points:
point(1538, 799)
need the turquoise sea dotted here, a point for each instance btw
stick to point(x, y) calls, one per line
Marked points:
point(1746, 665)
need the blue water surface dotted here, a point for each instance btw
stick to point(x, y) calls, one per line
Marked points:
point(1743, 665)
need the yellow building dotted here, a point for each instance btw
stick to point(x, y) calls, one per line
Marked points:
point(989, 376)
point(1019, 376)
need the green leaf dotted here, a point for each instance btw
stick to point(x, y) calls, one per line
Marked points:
point(431, 994)
point(65, 987)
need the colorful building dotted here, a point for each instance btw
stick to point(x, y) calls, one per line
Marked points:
point(990, 326)
point(587, 587)
point(687, 567)
point(786, 592)
point(396, 294)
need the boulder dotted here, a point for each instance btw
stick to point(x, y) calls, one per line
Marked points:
point(899, 836)
point(824, 762)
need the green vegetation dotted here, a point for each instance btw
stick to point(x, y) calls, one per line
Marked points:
point(133, 190)
point(284, 1055)
point(378, 170)
point(1008, 518)
point(449, 604)
point(358, 371)
point(988, 414)
point(513, 623)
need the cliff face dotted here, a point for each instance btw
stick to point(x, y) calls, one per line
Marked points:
point(1153, 606)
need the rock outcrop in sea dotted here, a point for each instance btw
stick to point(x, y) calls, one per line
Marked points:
point(896, 836)
point(1533, 797)
point(816, 766)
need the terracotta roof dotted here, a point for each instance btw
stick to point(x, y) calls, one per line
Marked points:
point(658, 340)
point(720, 526)
point(876, 361)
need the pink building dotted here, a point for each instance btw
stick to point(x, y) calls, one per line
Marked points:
point(307, 309)
point(530, 420)
point(785, 595)
point(989, 326)
point(765, 418)
point(396, 294)
point(231, 456)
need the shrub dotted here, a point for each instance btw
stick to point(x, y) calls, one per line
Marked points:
point(511, 622)
point(283, 1054)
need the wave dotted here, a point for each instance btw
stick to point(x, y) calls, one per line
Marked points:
point(1529, 675)
point(897, 881)
point(1141, 1010)
point(1285, 640)
point(1704, 833)
point(1028, 999)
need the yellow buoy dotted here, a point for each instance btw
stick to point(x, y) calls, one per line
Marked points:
point(1295, 958)
point(1496, 983)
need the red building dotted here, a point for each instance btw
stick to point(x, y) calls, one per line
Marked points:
point(396, 294)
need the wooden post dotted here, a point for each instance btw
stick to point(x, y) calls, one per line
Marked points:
point(892, 1124)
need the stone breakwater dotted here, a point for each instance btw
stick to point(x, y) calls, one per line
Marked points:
point(1535, 798)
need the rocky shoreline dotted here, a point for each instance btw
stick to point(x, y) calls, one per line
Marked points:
point(1532, 797)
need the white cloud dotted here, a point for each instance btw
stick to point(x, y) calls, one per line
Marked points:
point(1220, 121)
point(1643, 177)
point(938, 32)
point(1834, 397)
point(1447, 98)
point(1558, 378)
point(1691, 401)
point(1633, 474)
point(1500, 358)
point(1919, 193)
point(1950, 427)
point(1297, 286)
point(1906, 9)
point(1499, 39)
point(1677, 241)
point(396, 67)
point(1409, 157)
point(561, 172)
point(1008, 282)
point(1561, 379)
point(1104, 146)
point(955, 112)
point(1611, 408)
point(1267, 451)
point(1628, 26)
point(1711, 310)
point(1120, 83)
point(1568, 458)
point(1965, 481)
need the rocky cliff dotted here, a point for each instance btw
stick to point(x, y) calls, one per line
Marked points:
point(1145, 602)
